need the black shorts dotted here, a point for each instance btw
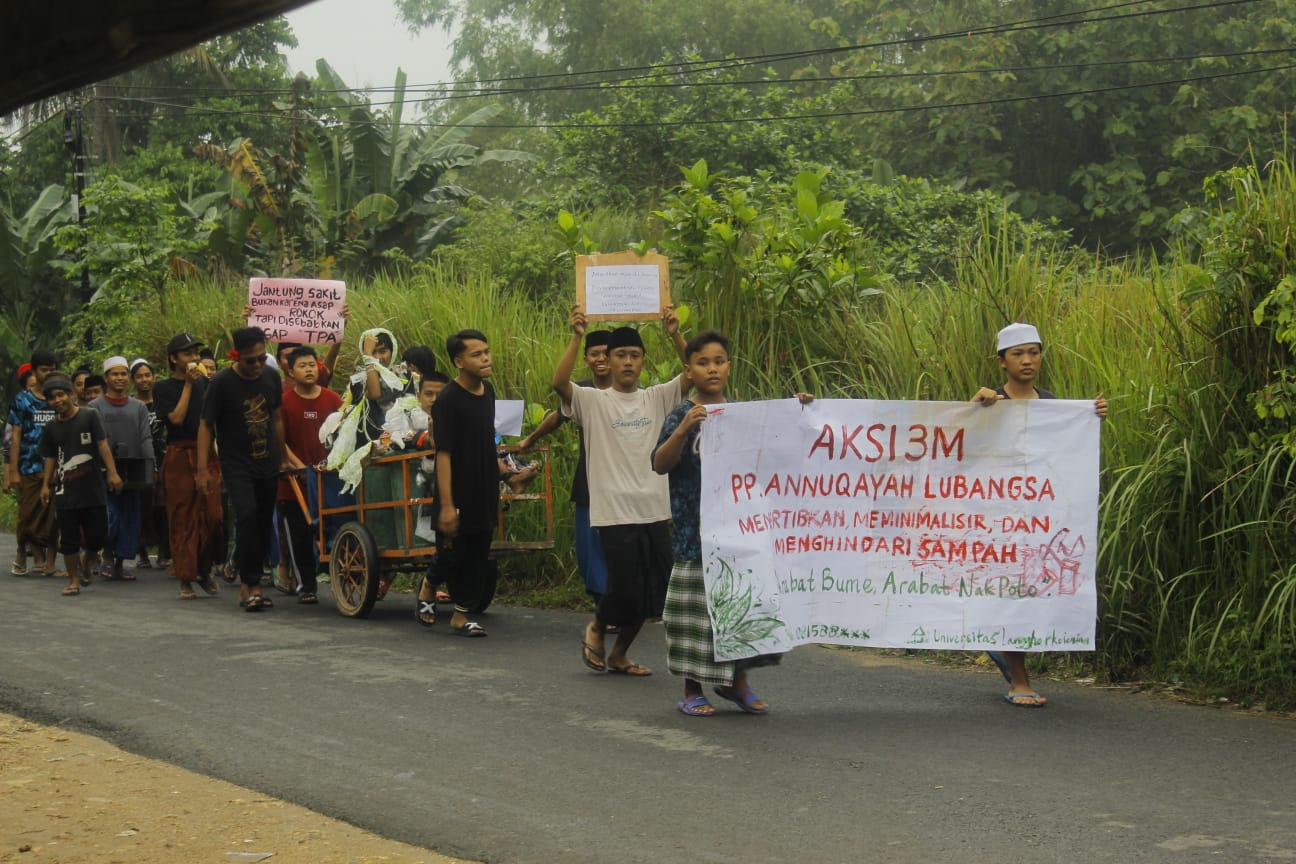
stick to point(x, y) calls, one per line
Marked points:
point(83, 528)
point(639, 560)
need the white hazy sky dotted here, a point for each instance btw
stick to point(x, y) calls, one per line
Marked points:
point(365, 43)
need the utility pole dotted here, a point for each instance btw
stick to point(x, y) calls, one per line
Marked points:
point(74, 141)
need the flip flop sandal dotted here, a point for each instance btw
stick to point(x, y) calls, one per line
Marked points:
point(17, 570)
point(253, 603)
point(472, 630)
point(634, 670)
point(588, 652)
point(425, 608)
point(696, 706)
point(745, 699)
point(187, 595)
point(266, 602)
point(308, 599)
point(1025, 700)
point(71, 591)
point(208, 585)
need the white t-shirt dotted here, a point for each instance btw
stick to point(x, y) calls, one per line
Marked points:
point(621, 430)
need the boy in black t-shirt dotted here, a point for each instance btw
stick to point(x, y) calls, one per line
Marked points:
point(194, 520)
point(241, 413)
point(467, 482)
point(70, 443)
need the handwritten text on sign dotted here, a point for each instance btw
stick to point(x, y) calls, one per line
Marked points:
point(298, 310)
point(623, 289)
point(903, 524)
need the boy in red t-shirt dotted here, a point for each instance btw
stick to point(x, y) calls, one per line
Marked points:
point(305, 408)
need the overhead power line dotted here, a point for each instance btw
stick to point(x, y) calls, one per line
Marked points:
point(619, 75)
point(712, 121)
point(634, 77)
point(862, 77)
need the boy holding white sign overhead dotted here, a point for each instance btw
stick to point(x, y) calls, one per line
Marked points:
point(1020, 356)
point(629, 504)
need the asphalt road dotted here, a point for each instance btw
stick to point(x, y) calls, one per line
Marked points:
point(506, 749)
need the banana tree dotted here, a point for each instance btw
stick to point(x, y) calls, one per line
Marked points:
point(33, 297)
point(378, 184)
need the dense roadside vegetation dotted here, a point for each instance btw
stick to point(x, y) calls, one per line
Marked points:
point(887, 281)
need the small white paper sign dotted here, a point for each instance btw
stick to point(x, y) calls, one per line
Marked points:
point(623, 286)
point(508, 416)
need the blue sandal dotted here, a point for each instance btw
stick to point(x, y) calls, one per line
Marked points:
point(693, 706)
point(745, 699)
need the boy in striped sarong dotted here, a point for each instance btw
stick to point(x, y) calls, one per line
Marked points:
point(690, 641)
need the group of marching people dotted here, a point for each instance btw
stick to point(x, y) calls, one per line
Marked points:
point(230, 439)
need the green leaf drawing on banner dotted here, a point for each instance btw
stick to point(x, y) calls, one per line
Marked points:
point(738, 619)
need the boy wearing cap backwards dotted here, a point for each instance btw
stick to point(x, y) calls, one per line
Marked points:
point(28, 415)
point(126, 423)
point(75, 443)
point(193, 519)
point(629, 504)
point(1020, 356)
point(152, 503)
point(242, 413)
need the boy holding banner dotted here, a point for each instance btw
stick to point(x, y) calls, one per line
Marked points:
point(1020, 356)
point(689, 636)
point(629, 504)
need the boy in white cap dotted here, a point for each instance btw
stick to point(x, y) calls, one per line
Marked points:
point(1021, 353)
point(126, 421)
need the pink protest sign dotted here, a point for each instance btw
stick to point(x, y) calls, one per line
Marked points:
point(298, 310)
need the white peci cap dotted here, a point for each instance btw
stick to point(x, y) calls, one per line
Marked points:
point(1018, 334)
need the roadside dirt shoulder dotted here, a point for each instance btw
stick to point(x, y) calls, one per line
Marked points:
point(74, 799)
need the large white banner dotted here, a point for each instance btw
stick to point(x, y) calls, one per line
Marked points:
point(901, 524)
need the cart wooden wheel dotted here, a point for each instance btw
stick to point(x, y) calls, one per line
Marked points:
point(353, 570)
